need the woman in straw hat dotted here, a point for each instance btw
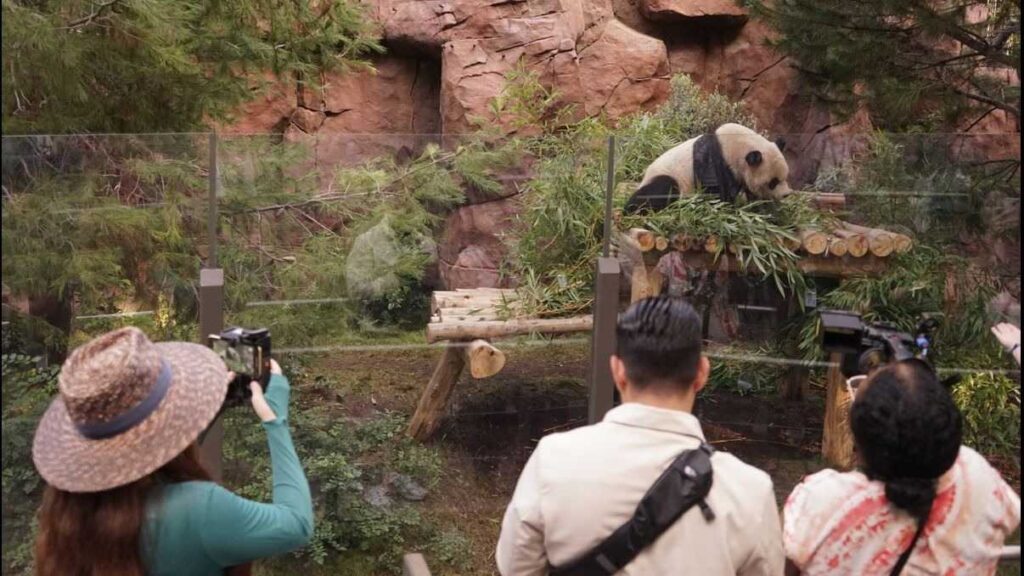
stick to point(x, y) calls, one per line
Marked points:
point(126, 493)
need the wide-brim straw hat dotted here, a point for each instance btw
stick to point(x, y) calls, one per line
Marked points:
point(126, 407)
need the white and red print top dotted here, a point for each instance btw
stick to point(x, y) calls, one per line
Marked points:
point(841, 523)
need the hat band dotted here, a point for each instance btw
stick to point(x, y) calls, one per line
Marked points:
point(128, 420)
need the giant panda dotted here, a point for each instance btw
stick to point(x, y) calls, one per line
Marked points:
point(731, 161)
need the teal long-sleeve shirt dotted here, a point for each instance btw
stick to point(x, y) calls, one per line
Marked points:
point(200, 528)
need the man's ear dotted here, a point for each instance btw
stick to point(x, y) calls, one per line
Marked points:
point(618, 368)
point(754, 158)
point(781, 143)
point(703, 373)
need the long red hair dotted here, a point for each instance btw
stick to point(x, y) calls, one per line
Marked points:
point(99, 533)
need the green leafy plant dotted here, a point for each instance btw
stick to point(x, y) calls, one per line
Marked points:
point(353, 467)
point(990, 404)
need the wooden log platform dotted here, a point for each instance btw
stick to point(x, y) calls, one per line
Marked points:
point(844, 251)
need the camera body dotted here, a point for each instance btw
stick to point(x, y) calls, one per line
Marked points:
point(247, 354)
point(865, 347)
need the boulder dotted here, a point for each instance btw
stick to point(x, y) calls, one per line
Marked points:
point(472, 249)
point(622, 72)
point(673, 11)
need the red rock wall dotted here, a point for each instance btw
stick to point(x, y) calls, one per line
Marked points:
point(448, 58)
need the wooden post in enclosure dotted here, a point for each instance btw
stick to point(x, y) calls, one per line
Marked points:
point(434, 399)
point(602, 339)
point(836, 438)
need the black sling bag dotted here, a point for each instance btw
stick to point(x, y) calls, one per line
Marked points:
point(684, 484)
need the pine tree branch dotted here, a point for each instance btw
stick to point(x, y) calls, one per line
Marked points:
point(1004, 35)
point(966, 37)
point(96, 13)
point(1005, 106)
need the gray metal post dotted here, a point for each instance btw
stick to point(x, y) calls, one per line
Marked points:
point(606, 310)
point(609, 191)
point(212, 212)
point(211, 310)
point(602, 341)
point(211, 321)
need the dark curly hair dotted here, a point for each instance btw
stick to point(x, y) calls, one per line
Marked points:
point(659, 341)
point(908, 432)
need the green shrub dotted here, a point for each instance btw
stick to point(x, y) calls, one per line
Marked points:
point(344, 459)
point(27, 391)
point(990, 404)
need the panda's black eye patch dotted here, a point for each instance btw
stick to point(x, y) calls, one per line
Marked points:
point(773, 183)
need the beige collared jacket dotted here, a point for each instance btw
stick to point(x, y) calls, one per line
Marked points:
point(579, 486)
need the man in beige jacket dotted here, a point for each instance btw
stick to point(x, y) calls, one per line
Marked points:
point(579, 486)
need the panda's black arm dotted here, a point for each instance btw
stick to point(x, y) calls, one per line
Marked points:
point(654, 196)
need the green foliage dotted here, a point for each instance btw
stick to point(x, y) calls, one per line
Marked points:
point(922, 282)
point(745, 369)
point(917, 64)
point(164, 65)
point(562, 223)
point(913, 182)
point(345, 461)
point(27, 391)
point(451, 548)
point(752, 229)
point(990, 404)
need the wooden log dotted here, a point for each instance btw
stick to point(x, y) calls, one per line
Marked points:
point(813, 242)
point(644, 238)
point(837, 246)
point(711, 244)
point(902, 243)
point(443, 299)
point(639, 283)
point(654, 281)
point(435, 396)
point(499, 329)
point(661, 243)
point(468, 311)
point(681, 242)
point(856, 243)
point(446, 316)
point(845, 267)
point(880, 242)
point(484, 359)
point(467, 318)
point(829, 200)
point(793, 244)
point(435, 318)
point(836, 437)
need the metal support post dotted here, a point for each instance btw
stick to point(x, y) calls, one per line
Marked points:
point(211, 321)
point(602, 340)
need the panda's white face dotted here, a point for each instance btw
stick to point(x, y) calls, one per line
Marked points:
point(757, 161)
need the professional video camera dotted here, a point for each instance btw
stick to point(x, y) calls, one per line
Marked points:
point(867, 346)
point(247, 354)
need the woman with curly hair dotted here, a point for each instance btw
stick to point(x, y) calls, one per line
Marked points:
point(920, 503)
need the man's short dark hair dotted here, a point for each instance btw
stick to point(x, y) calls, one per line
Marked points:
point(659, 341)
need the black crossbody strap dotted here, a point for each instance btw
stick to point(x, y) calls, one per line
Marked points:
point(906, 553)
point(684, 484)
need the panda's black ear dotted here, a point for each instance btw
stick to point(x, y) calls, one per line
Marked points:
point(781, 143)
point(754, 158)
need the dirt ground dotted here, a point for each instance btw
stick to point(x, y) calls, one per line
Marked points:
point(493, 424)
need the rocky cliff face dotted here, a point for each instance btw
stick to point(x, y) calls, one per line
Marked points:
point(447, 59)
